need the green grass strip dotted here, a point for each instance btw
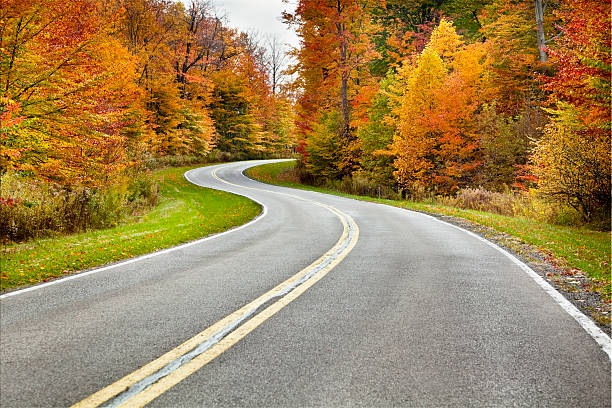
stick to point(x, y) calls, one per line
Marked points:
point(185, 212)
point(580, 248)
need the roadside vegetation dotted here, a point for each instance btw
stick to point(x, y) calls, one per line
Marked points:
point(569, 247)
point(183, 212)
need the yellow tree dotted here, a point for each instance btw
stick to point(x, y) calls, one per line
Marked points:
point(436, 143)
point(414, 140)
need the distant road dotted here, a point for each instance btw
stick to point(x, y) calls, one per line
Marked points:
point(321, 301)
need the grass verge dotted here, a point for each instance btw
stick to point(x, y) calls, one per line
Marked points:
point(576, 248)
point(185, 212)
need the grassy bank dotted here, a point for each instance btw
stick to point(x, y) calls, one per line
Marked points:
point(185, 212)
point(579, 248)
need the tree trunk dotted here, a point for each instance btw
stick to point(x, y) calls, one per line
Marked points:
point(343, 71)
point(345, 107)
point(541, 36)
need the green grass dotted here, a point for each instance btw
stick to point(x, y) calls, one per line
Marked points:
point(185, 212)
point(580, 248)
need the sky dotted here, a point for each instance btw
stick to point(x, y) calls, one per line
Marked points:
point(261, 16)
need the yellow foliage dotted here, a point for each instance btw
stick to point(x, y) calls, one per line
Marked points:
point(572, 163)
point(436, 142)
point(444, 40)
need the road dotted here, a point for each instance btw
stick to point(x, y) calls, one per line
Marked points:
point(379, 307)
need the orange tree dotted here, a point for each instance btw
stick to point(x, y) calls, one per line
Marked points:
point(72, 85)
point(332, 65)
point(436, 141)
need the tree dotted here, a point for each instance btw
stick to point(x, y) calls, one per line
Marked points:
point(572, 163)
point(376, 134)
point(331, 64)
point(413, 141)
point(335, 37)
point(147, 28)
point(277, 60)
point(56, 67)
point(504, 144)
point(436, 142)
point(324, 148)
point(540, 6)
point(515, 37)
point(232, 112)
point(581, 57)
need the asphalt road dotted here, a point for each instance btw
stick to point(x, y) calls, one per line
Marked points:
point(418, 313)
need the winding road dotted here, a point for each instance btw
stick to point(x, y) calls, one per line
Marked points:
point(320, 301)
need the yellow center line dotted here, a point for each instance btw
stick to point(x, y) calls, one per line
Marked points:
point(153, 391)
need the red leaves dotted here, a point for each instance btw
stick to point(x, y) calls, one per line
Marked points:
point(10, 201)
point(582, 59)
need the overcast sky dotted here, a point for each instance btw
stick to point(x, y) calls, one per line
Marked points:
point(262, 16)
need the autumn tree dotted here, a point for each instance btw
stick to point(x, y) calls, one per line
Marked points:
point(436, 142)
point(572, 159)
point(158, 33)
point(517, 35)
point(71, 83)
point(148, 28)
point(376, 134)
point(572, 164)
point(239, 104)
point(404, 28)
point(505, 143)
point(331, 63)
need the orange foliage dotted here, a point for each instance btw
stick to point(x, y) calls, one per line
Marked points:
point(436, 143)
point(57, 66)
point(332, 67)
point(91, 87)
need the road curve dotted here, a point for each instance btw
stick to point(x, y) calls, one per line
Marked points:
point(407, 311)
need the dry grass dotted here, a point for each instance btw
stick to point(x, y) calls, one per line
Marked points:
point(482, 200)
point(512, 203)
point(33, 209)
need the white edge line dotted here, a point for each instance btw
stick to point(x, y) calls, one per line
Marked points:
point(143, 257)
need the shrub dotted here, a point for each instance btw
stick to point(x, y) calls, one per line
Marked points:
point(172, 161)
point(482, 200)
point(572, 163)
point(528, 204)
point(32, 209)
point(142, 192)
point(360, 185)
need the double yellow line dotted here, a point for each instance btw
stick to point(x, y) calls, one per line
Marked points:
point(134, 389)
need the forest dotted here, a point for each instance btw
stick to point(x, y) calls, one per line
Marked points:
point(468, 101)
point(487, 104)
point(95, 93)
